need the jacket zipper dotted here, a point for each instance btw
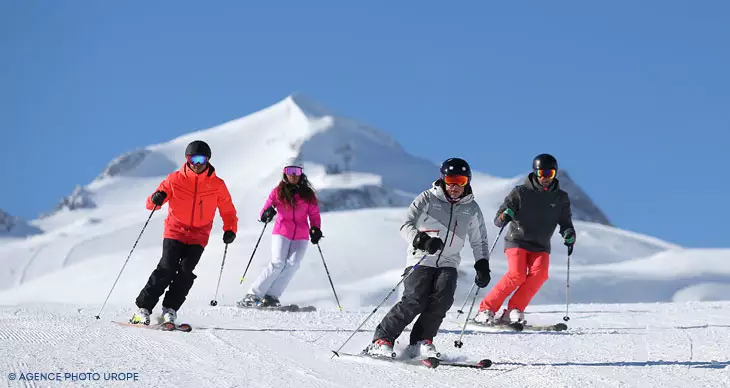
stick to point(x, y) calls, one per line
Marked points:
point(195, 196)
point(294, 215)
point(453, 234)
point(448, 229)
point(200, 204)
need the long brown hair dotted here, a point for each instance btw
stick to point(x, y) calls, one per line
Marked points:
point(304, 188)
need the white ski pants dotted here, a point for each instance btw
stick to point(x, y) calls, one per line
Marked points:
point(286, 257)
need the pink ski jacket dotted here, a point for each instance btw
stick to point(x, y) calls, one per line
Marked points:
point(291, 221)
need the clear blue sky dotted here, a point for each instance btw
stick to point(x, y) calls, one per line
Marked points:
point(633, 97)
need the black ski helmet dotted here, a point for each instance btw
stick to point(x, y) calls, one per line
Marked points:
point(198, 147)
point(544, 162)
point(455, 166)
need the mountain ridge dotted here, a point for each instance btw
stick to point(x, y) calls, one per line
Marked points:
point(336, 150)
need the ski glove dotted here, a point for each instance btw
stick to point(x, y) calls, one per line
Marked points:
point(483, 273)
point(158, 198)
point(268, 214)
point(229, 236)
point(569, 237)
point(315, 234)
point(507, 215)
point(427, 243)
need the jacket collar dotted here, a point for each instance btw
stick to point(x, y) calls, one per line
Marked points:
point(188, 173)
point(532, 184)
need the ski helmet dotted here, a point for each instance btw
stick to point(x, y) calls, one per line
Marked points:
point(198, 147)
point(544, 162)
point(455, 166)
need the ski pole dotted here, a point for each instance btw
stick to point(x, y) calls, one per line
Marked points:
point(494, 244)
point(253, 253)
point(458, 343)
point(214, 302)
point(566, 318)
point(98, 315)
point(336, 352)
point(329, 277)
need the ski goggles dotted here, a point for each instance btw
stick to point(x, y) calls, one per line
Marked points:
point(293, 170)
point(197, 159)
point(549, 173)
point(459, 180)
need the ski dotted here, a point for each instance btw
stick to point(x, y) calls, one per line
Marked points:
point(159, 326)
point(482, 364)
point(293, 308)
point(498, 327)
point(556, 327)
point(430, 362)
point(515, 327)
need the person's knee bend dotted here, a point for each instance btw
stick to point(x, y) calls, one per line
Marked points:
point(187, 276)
point(415, 304)
point(517, 277)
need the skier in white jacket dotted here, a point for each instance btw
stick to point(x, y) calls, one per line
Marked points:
point(437, 222)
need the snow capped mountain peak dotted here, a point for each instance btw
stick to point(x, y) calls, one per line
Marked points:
point(308, 106)
point(351, 164)
point(584, 208)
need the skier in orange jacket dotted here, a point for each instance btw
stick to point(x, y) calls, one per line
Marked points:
point(193, 193)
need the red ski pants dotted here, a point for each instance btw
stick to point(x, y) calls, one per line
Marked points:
point(527, 272)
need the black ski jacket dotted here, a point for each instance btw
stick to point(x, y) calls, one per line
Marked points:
point(538, 211)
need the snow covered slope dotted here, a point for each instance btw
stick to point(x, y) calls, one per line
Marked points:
point(641, 346)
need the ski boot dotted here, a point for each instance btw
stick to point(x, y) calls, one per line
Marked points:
point(423, 349)
point(168, 315)
point(485, 318)
point(380, 348)
point(514, 315)
point(141, 317)
point(250, 300)
point(270, 301)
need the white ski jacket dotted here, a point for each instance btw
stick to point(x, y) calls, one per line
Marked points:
point(431, 212)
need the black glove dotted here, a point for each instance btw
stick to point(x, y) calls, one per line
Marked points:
point(569, 238)
point(159, 197)
point(229, 236)
point(315, 234)
point(483, 273)
point(427, 243)
point(268, 214)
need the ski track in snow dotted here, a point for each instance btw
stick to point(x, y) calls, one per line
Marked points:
point(657, 345)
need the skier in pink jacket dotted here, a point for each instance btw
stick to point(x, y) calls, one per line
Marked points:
point(297, 207)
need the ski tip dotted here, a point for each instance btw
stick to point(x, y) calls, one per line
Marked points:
point(485, 363)
point(185, 327)
point(430, 362)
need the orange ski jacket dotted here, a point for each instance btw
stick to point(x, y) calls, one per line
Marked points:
point(193, 200)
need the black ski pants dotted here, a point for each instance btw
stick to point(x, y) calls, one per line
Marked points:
point(175, 270)
point(428, 291)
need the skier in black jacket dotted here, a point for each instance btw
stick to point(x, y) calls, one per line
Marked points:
point(535, 207)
